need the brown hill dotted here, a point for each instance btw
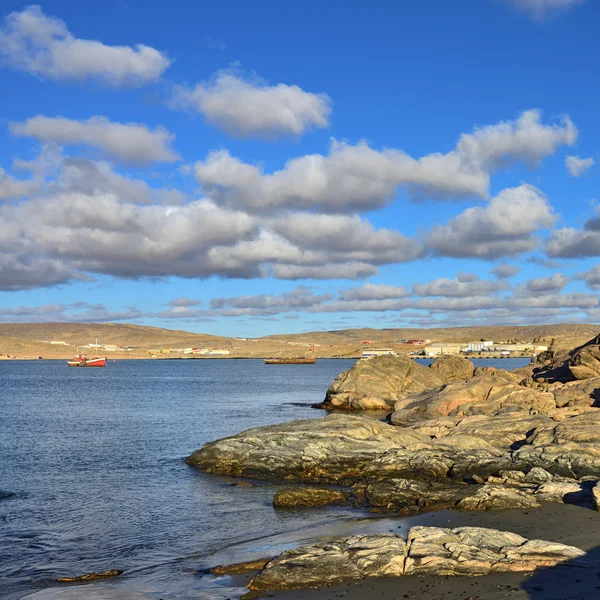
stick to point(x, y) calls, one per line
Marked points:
point(33, 339)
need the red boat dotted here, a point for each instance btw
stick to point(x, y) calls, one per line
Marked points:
point(84, 361)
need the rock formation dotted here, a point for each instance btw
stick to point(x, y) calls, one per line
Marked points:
point(426, 551)
point(377, 383)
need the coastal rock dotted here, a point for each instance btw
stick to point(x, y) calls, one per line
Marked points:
point(483, 395)
point(338, 448)
point(347, 449)
point(377, 383)
point(236, 568)
point(428, 551)
point(578, 364)
point(91, 576)
point(584, 393)
point(411, 496)
point(453, 368)
point(355, 557)
point(596, 496)
point(292, 497)
point(570, 448)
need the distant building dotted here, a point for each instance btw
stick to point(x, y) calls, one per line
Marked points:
point(366, 341)
point(479, 346)
point(417, 342)
point(110, 348)
point(378, 352)
point(56, 343)
point(441, 349)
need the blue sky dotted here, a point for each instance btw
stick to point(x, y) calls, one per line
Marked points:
point(246, 168)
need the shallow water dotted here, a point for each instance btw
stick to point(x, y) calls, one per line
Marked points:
point(92, 475)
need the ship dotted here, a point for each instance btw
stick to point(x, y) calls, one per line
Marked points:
point(84, 361)
point(81, 360)
point(290, 361)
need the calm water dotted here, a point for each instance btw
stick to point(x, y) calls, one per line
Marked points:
point(92, 473)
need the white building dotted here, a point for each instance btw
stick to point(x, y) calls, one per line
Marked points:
point(370, 353)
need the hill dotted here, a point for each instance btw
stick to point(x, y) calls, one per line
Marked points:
point(60, 340)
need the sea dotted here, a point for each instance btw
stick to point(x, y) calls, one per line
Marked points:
point(93, 478)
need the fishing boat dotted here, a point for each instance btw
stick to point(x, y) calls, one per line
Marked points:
point(84, 361)
point(81, 360)
point(290, 361)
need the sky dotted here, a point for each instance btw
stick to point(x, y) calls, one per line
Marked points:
point(247, 168)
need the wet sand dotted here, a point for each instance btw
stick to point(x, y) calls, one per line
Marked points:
point(568, 524)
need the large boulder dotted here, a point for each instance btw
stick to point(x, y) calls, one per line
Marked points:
point(483, 395)
point(377, 383)
point(428, 551)
point(453, 368)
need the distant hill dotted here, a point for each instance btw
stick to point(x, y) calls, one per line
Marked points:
point(33, 339)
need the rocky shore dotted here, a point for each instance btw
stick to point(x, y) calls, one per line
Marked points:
point(456, 437)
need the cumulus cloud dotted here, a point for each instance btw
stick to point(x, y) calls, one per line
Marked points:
point(374, 291)
point(573, 243)
point(266, 304)
point(346, 270)
point(131, 143)
point(544, 285)
point(505, 271)
point(98, 177)
point(458, 288)
point(184, 302)
point(577, 166)
point(358, 177)
point(591, 277)
point(539, 9)
point(42, 45)
point(506, 226)
point(248, 108)
point(12, 188)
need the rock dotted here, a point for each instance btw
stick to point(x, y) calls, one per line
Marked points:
point(596, 496)
point(483, 395)
point(570, 448)
point(377, 383)
point(453, 368)
point(411, 496)
point(584, 393)
point(292, 497)
point(244, 567)
point(497, 497)
point(562, 492)
point(578, 364)
point(428, 551)
point(90, 576)
point(484, 371)
point(349, 558)
point(338, 448)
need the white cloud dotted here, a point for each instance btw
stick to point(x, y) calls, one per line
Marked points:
point(574, 243)
point(358, 177)
point(374, 291)
point(127, 142)
point(12, 188)
point(184, 302)
point(591, 277)
point(544, 285)
point(248, 108)
point(505, 271)
point(504, 227)
point(540, 9)
point(344, 270)
point(42, 45)
point(577, 166)
point(459, 289)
